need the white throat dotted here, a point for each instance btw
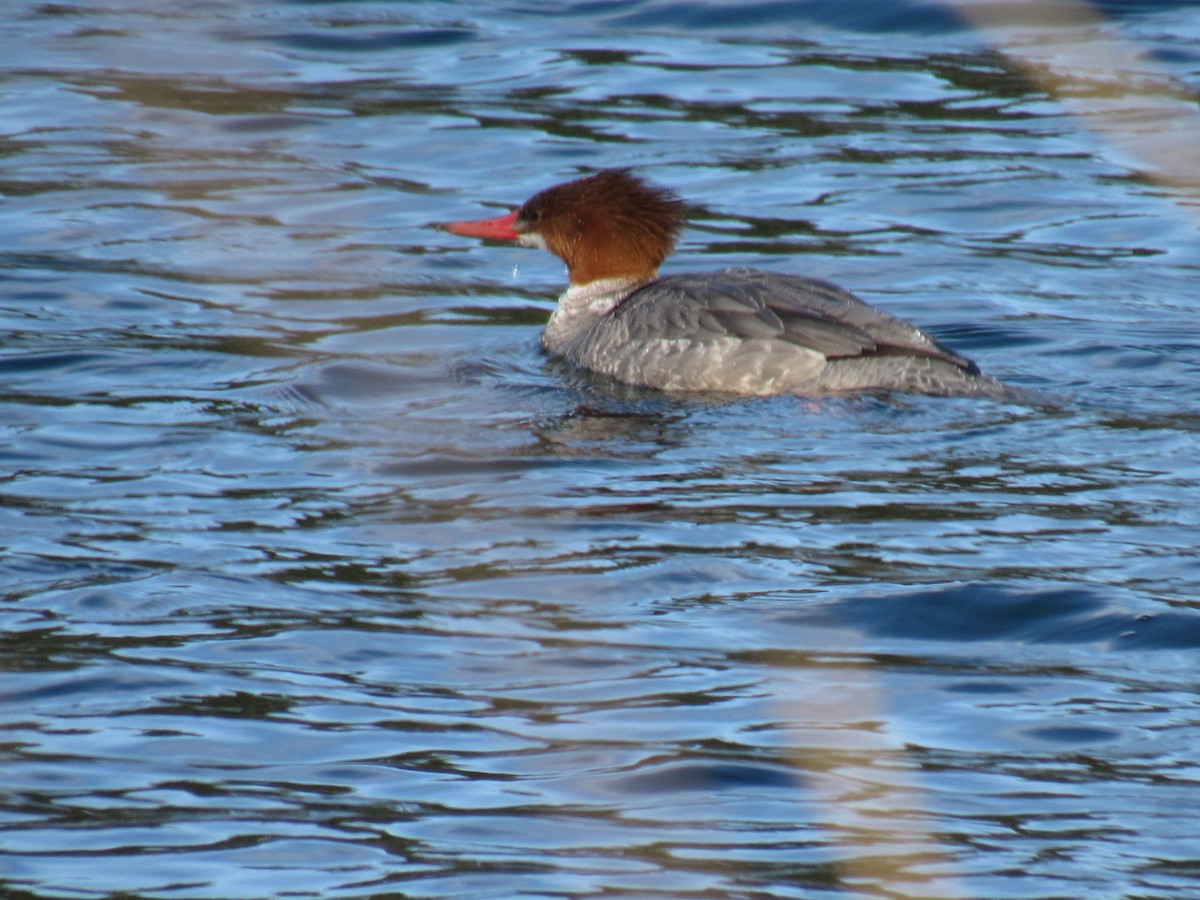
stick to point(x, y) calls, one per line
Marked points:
point(581, 307)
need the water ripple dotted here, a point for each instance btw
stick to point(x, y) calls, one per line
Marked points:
point(321, 579)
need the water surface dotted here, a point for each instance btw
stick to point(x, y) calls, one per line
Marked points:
point(320, 580)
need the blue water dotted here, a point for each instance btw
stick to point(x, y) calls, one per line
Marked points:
point(320, 580)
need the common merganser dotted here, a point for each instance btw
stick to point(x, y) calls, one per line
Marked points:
point(742, 331)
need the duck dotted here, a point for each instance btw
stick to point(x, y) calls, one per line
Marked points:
point(735, 330)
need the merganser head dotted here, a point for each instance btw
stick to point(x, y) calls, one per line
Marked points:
point(608, 225)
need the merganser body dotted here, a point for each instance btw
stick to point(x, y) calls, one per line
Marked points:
point(742, 331)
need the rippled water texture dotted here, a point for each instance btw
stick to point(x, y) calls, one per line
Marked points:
point(320, 580)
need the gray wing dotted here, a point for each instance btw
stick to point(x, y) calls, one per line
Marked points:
point(749, 303)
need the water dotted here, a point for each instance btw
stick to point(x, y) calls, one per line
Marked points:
point(321, 581)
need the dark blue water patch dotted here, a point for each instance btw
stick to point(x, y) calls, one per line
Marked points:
point(1073, 735)
point(987, 688)
point(990, 336)
point(706, 777)
point(53, 580)
point(1076, 614)
point(1138, 7)
point(39, 362)
point(33, 297)
point(922, 18)
point(95, 682)
point(1183, 55)
point(371, 40)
